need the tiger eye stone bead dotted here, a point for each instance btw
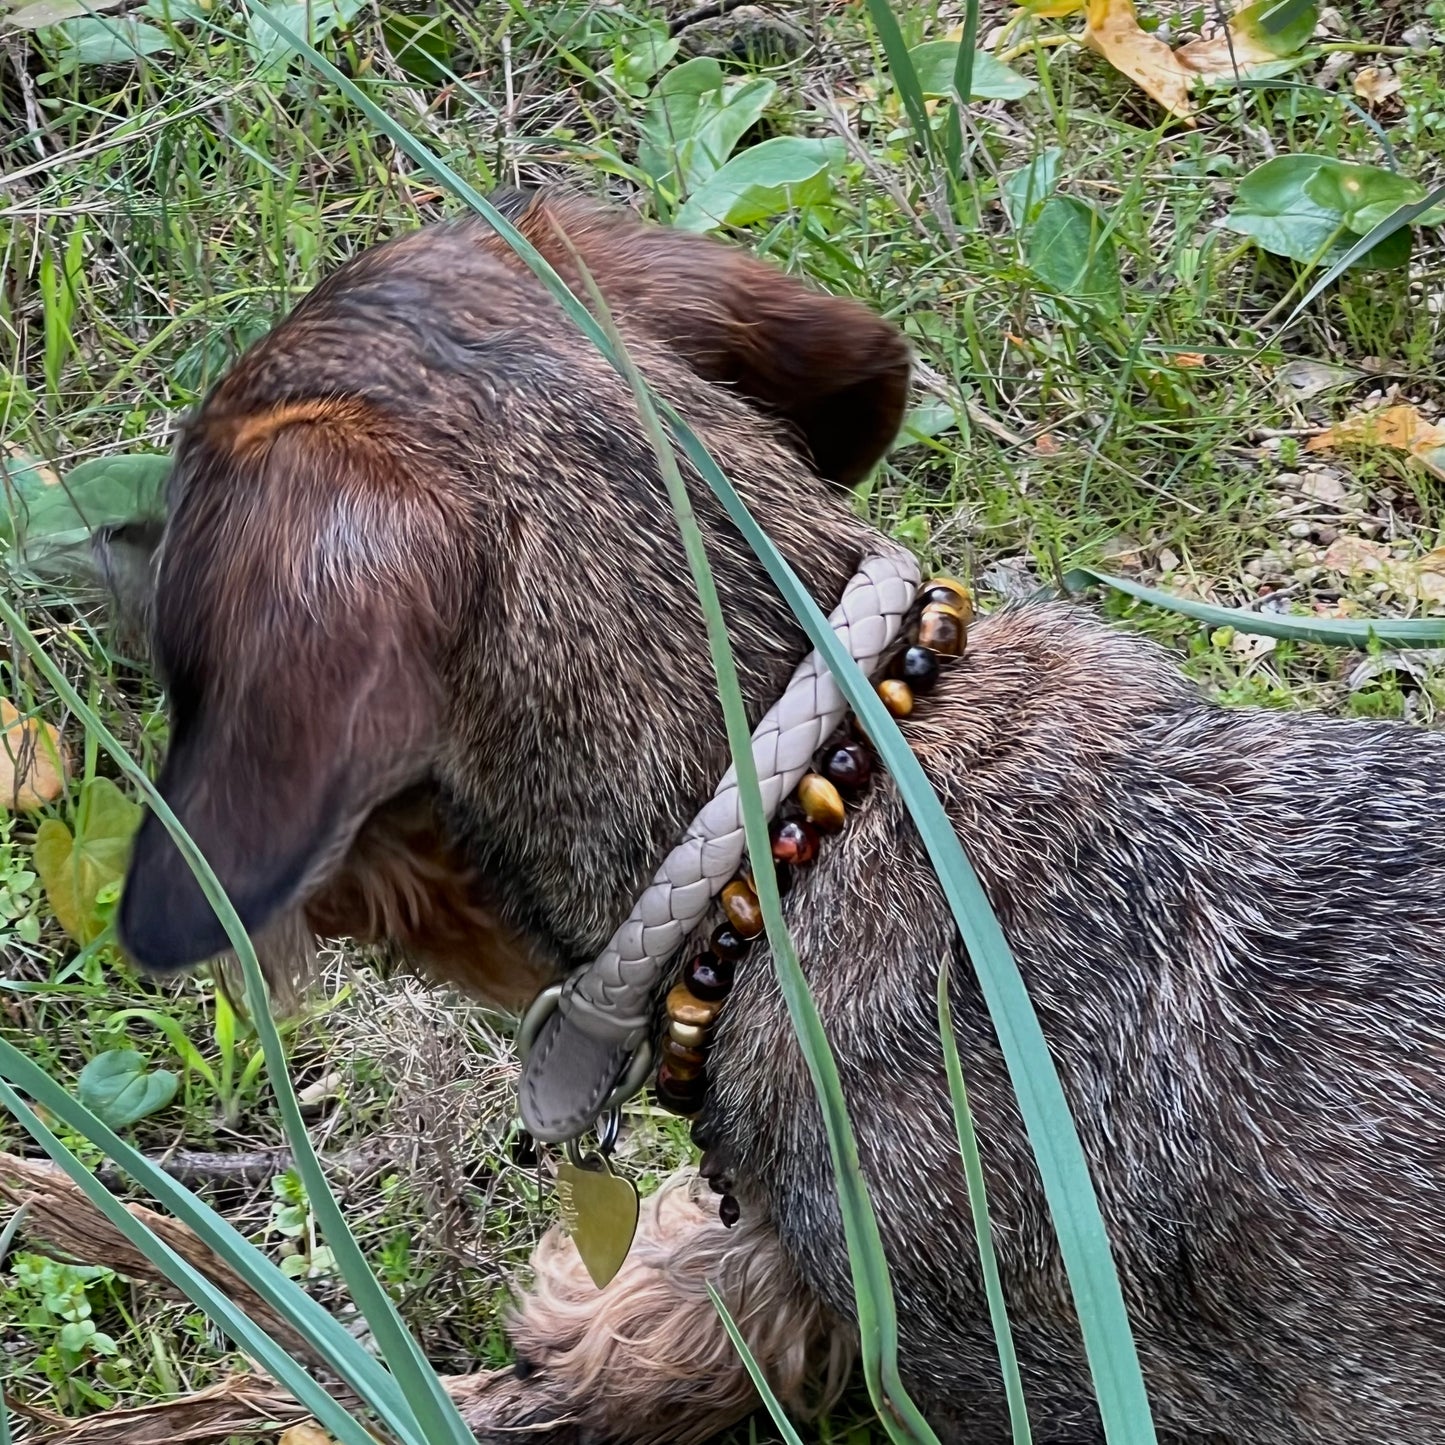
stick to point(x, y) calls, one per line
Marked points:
point(795, 841)
point(684, 1007)
point(678, 1095)
point(943, 629)
point(918, 667)
point(728, 943)
point(741, 905)
point(708, 977)
point(897, 696)
point(685, 1063)
point(690, 1036)
point(951, 593)
point(821, 803)
point(848, 767)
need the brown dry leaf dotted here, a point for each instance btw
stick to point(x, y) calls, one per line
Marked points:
point(1113, 30)
point(305, 1434)
point(1190, 359)
point(1422, 578)
point(1356, 554)
point(1397, 428)
point(1223, 53)
point(1376, 84)
point(29, 750)
point(1046, 445)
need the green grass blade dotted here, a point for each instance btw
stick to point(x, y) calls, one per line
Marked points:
point(755, 1370)
point(242, 1331)
point(1063, 1168)
point(900, 67)
point(424, 1410)
point(978, 1207)
point(1331, 632)
point(873, 1288)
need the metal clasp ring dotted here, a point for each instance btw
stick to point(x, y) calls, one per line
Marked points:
point(529, 1030)
point(609, 1126)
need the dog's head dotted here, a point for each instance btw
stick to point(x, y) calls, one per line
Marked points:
point(319, 564)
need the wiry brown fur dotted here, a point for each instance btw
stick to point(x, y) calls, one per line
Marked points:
point(418, 545)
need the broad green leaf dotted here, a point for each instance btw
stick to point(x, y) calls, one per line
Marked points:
point(78, 870)
point(1280, 27)
point(695, 119)
point(273, 55)
point(49, 521)
point(119, 1088)
point(1024, 192)
point(1363, 195)
point(1276, 207)
point(935, 62)
point(785, 172)
point(55, 12)
point(98, 40)
point(420, 45)
point(1068, 250)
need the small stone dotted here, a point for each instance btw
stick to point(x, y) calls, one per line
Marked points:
point(1300, 529)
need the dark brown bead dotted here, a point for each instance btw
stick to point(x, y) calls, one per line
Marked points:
point(677, 1095)
point(795, 841)
point(728, 943)
point(683, 1061)
point(782, 875)
point(849, 766)
point(942, 629)
point(821, 803)
point(729, 1211)
point(708, 977)
point(741, 905)
point(897, 696)
point(918, 667)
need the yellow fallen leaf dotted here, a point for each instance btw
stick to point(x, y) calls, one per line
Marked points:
point(32, 766)
point(305, 1435)
point(1376, 84)
point(1398, 428)
point(1113, 29)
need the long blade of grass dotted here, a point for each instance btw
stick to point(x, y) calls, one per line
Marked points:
point(755, 1370)
point(978, 1207)
point(900, 67)
point(1332, 632)
point(872, 1285)
point(1083, 1242)
point(237, 1326)
point(423, 1411)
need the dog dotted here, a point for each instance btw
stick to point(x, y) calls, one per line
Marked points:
point(437, 675)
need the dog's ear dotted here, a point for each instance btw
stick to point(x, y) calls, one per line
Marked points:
point(828, 365)
point(292, 625)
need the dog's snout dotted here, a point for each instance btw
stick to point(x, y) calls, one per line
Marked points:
point(165, 921)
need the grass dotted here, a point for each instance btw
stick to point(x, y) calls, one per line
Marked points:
point(155, 218)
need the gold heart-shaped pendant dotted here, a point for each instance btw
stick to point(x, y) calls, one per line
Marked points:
point(599, 1212)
